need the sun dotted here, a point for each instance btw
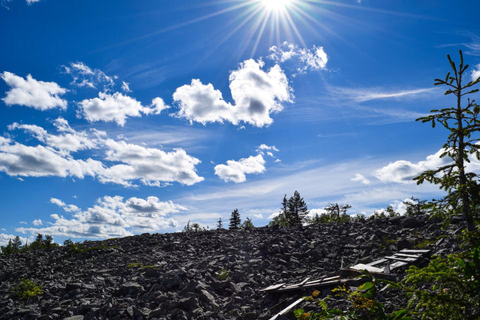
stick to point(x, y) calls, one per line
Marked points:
point(276, 5)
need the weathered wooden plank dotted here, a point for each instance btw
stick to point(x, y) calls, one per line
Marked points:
point(408, 255)
point(287, 309)
point(312, 285)
point(376, 262)
point(304, 281)
point(362, 266)
point(397, 265)
point(273, 287)
point(401, 259)
point(415, 251)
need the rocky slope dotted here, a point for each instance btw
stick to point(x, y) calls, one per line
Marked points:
point(204, 275)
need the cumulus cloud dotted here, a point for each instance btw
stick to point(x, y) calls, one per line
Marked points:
point(476, 72)
point(152, 166)
point(113, 217)
point(84, 76)
point(64, 206)
point(361, 178)
point(403, 171)
point(130, 162)
point(37, 222)
point(68, 141)
point(25, 161)
point(303, 59)
point(29, 92)
point(4, 238)
point(117, 107)
point(235, 170)
point(257, 94)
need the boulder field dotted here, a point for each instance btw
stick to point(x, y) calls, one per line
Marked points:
point(202, 275)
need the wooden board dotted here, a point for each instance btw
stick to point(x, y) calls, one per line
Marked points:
point(400, 259)
point(287, 309)
point(415, 251)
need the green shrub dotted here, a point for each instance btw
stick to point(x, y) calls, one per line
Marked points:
point(27, 289)
point(448, 288)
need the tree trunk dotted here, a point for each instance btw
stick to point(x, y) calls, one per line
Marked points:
point(460, 160)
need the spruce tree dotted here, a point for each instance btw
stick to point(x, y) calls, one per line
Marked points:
point(247, 224)
point(219, 224)
point(235, 220)
point(337, 212)
point(297, 209)
point(463, 190)
point(285, 212)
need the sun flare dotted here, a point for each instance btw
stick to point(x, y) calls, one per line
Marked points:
point(276, 4)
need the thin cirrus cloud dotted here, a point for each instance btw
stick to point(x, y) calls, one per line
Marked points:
point(32, 93)
point(257, 94)
point(117, 108)
point(55, 157)
point(112, 217)
point(367, 94)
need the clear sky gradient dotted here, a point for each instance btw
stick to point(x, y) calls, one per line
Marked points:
point(125, 117)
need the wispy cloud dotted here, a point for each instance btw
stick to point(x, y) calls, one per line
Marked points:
point(367, 94)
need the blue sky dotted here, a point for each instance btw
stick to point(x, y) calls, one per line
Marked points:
point(120, 118)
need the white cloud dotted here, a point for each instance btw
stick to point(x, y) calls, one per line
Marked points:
point(37, 222)
point(265, 147)
point(39, 161)
point(113, 217)
point(4, 238)
point(117, 107)
point(132, 162)
point(367, 94)
point(23, 222)
point(64, 206)
point(151, 166)
point(235, 170)
point(256, 94)
point(69, 141)
point(126, 87)
point(29, 92)
point(359, 177)
point(403, 171)
point(476, 72)
point(302, 59)
point(84, 76)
